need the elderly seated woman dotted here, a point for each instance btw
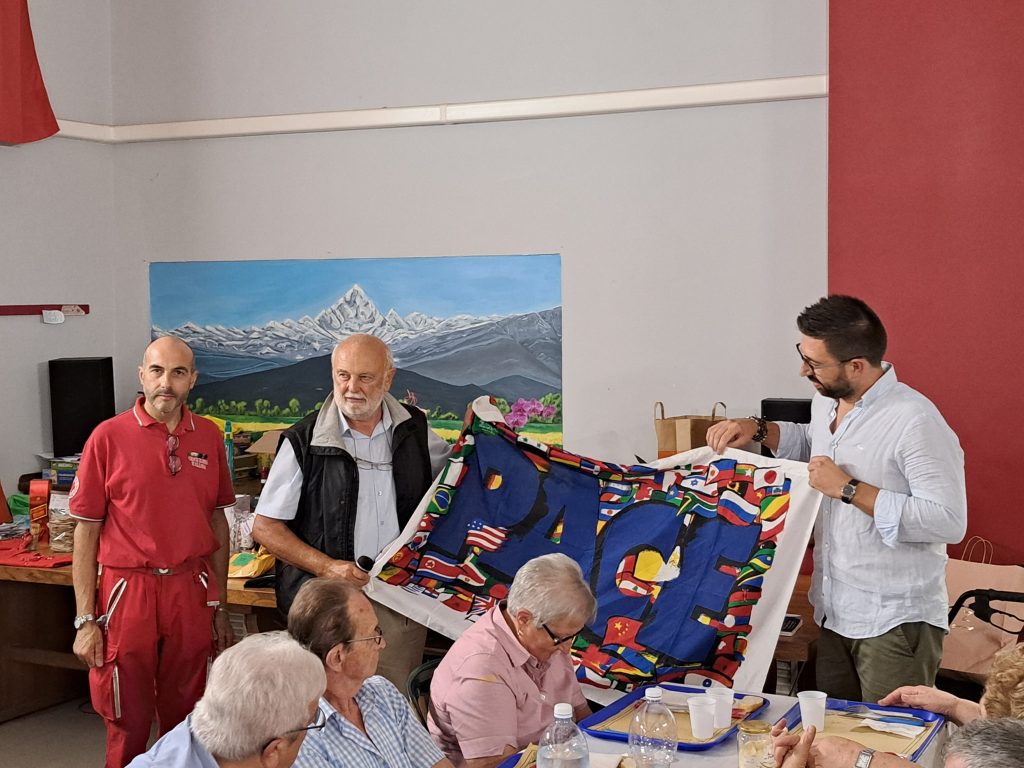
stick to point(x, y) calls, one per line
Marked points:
point(1003, 697)
point(495, 690)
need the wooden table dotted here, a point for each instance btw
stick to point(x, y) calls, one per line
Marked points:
point(37, 608)
point(793, 653)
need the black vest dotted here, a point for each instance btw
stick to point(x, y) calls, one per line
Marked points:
point(326, 516)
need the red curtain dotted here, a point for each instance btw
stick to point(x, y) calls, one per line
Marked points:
point(25, 112)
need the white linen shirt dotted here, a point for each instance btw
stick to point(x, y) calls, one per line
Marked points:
point(874, 573)
point(376, 513)
point(394, 737)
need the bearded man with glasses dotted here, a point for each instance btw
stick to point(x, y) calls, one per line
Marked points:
point(368, 722)
point(345, 481)
point(891, 472)
point(148, 498)
point(495, 691)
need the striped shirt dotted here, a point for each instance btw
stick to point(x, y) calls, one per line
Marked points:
point(394, 737)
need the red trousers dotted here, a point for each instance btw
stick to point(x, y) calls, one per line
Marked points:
point(158, 646)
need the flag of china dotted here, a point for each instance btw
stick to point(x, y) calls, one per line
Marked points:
point(25, 112)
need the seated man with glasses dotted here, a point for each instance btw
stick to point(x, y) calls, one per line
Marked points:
point(259, 700)
point(495, 691)
point(368, 723)
point(891, 473)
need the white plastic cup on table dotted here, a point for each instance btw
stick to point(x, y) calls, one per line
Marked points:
point(702, 716)
point(563, 745)
point(812, 708)
point(652, 732)
point(723, 705)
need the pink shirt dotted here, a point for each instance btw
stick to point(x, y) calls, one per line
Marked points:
point(489, 691)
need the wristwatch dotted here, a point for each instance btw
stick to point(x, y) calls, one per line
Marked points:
point(864, 758)
point(848, 491)
point(82, 620)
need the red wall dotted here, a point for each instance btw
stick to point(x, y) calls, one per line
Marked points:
point(926, 218)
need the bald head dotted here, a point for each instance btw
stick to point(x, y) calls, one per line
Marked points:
point(167, 375)
point(366, 345)
point(170, 345)
point(362, 371)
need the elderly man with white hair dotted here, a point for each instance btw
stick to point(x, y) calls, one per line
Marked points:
point(260, 702)
point(495, 690)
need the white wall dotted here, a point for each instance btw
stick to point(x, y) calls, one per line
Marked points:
point(194, 59)
point(56, 230)
point(689, 238)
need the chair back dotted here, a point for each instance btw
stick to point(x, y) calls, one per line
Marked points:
point(417, 688)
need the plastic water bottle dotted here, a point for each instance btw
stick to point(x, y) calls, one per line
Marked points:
point(229, 449)
point(652, 732)
point(563, 745)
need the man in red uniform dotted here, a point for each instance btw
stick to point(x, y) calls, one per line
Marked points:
point(148, 498)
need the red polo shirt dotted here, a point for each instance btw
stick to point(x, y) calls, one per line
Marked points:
point(152, 518)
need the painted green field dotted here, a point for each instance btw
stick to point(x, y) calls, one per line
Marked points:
point(449, 429)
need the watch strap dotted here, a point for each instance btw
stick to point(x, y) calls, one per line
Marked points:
point(84, 619)
point(849, 490)
point(864, 758)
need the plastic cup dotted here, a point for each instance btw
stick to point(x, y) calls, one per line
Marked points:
point(812, 708)
point(723, 705)
point(702, 717)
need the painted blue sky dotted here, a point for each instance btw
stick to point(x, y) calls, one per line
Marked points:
point(241, 293)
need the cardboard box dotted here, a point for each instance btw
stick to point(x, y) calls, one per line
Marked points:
point(267, 444)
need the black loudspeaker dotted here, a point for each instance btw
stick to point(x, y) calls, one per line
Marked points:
point(792, 409)
point(81, 396)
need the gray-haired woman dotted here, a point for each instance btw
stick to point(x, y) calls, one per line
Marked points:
point(496, 689)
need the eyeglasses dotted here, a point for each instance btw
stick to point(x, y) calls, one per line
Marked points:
point(383, 466)
point(173, 460)
point(377, 638)
point(318, 723)
point(815, 367)
point(555, 639)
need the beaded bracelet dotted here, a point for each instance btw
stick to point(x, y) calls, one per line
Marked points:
point(762, 429)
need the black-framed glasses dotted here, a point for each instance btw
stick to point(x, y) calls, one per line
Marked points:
point(173, 460)
point(377, 638)
point(815, 367)
point(555, 639)
point(319, 721)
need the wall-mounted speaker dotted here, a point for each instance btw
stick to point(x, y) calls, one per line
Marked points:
point(81, 396)
point(793, 409)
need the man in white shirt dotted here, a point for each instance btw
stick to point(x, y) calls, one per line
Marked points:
point(892, 475)
point(345, 482)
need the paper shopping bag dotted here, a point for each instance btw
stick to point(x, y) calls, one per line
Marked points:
point(972, 642)
point(681, 433)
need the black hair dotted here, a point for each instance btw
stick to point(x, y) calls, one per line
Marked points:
point(848, 326)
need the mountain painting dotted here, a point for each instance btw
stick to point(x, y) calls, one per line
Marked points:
point(458, 327)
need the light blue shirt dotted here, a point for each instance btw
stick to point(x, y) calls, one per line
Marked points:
point(394, 737)
point(177, 748)
point(874, 573)
point(376, 513)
